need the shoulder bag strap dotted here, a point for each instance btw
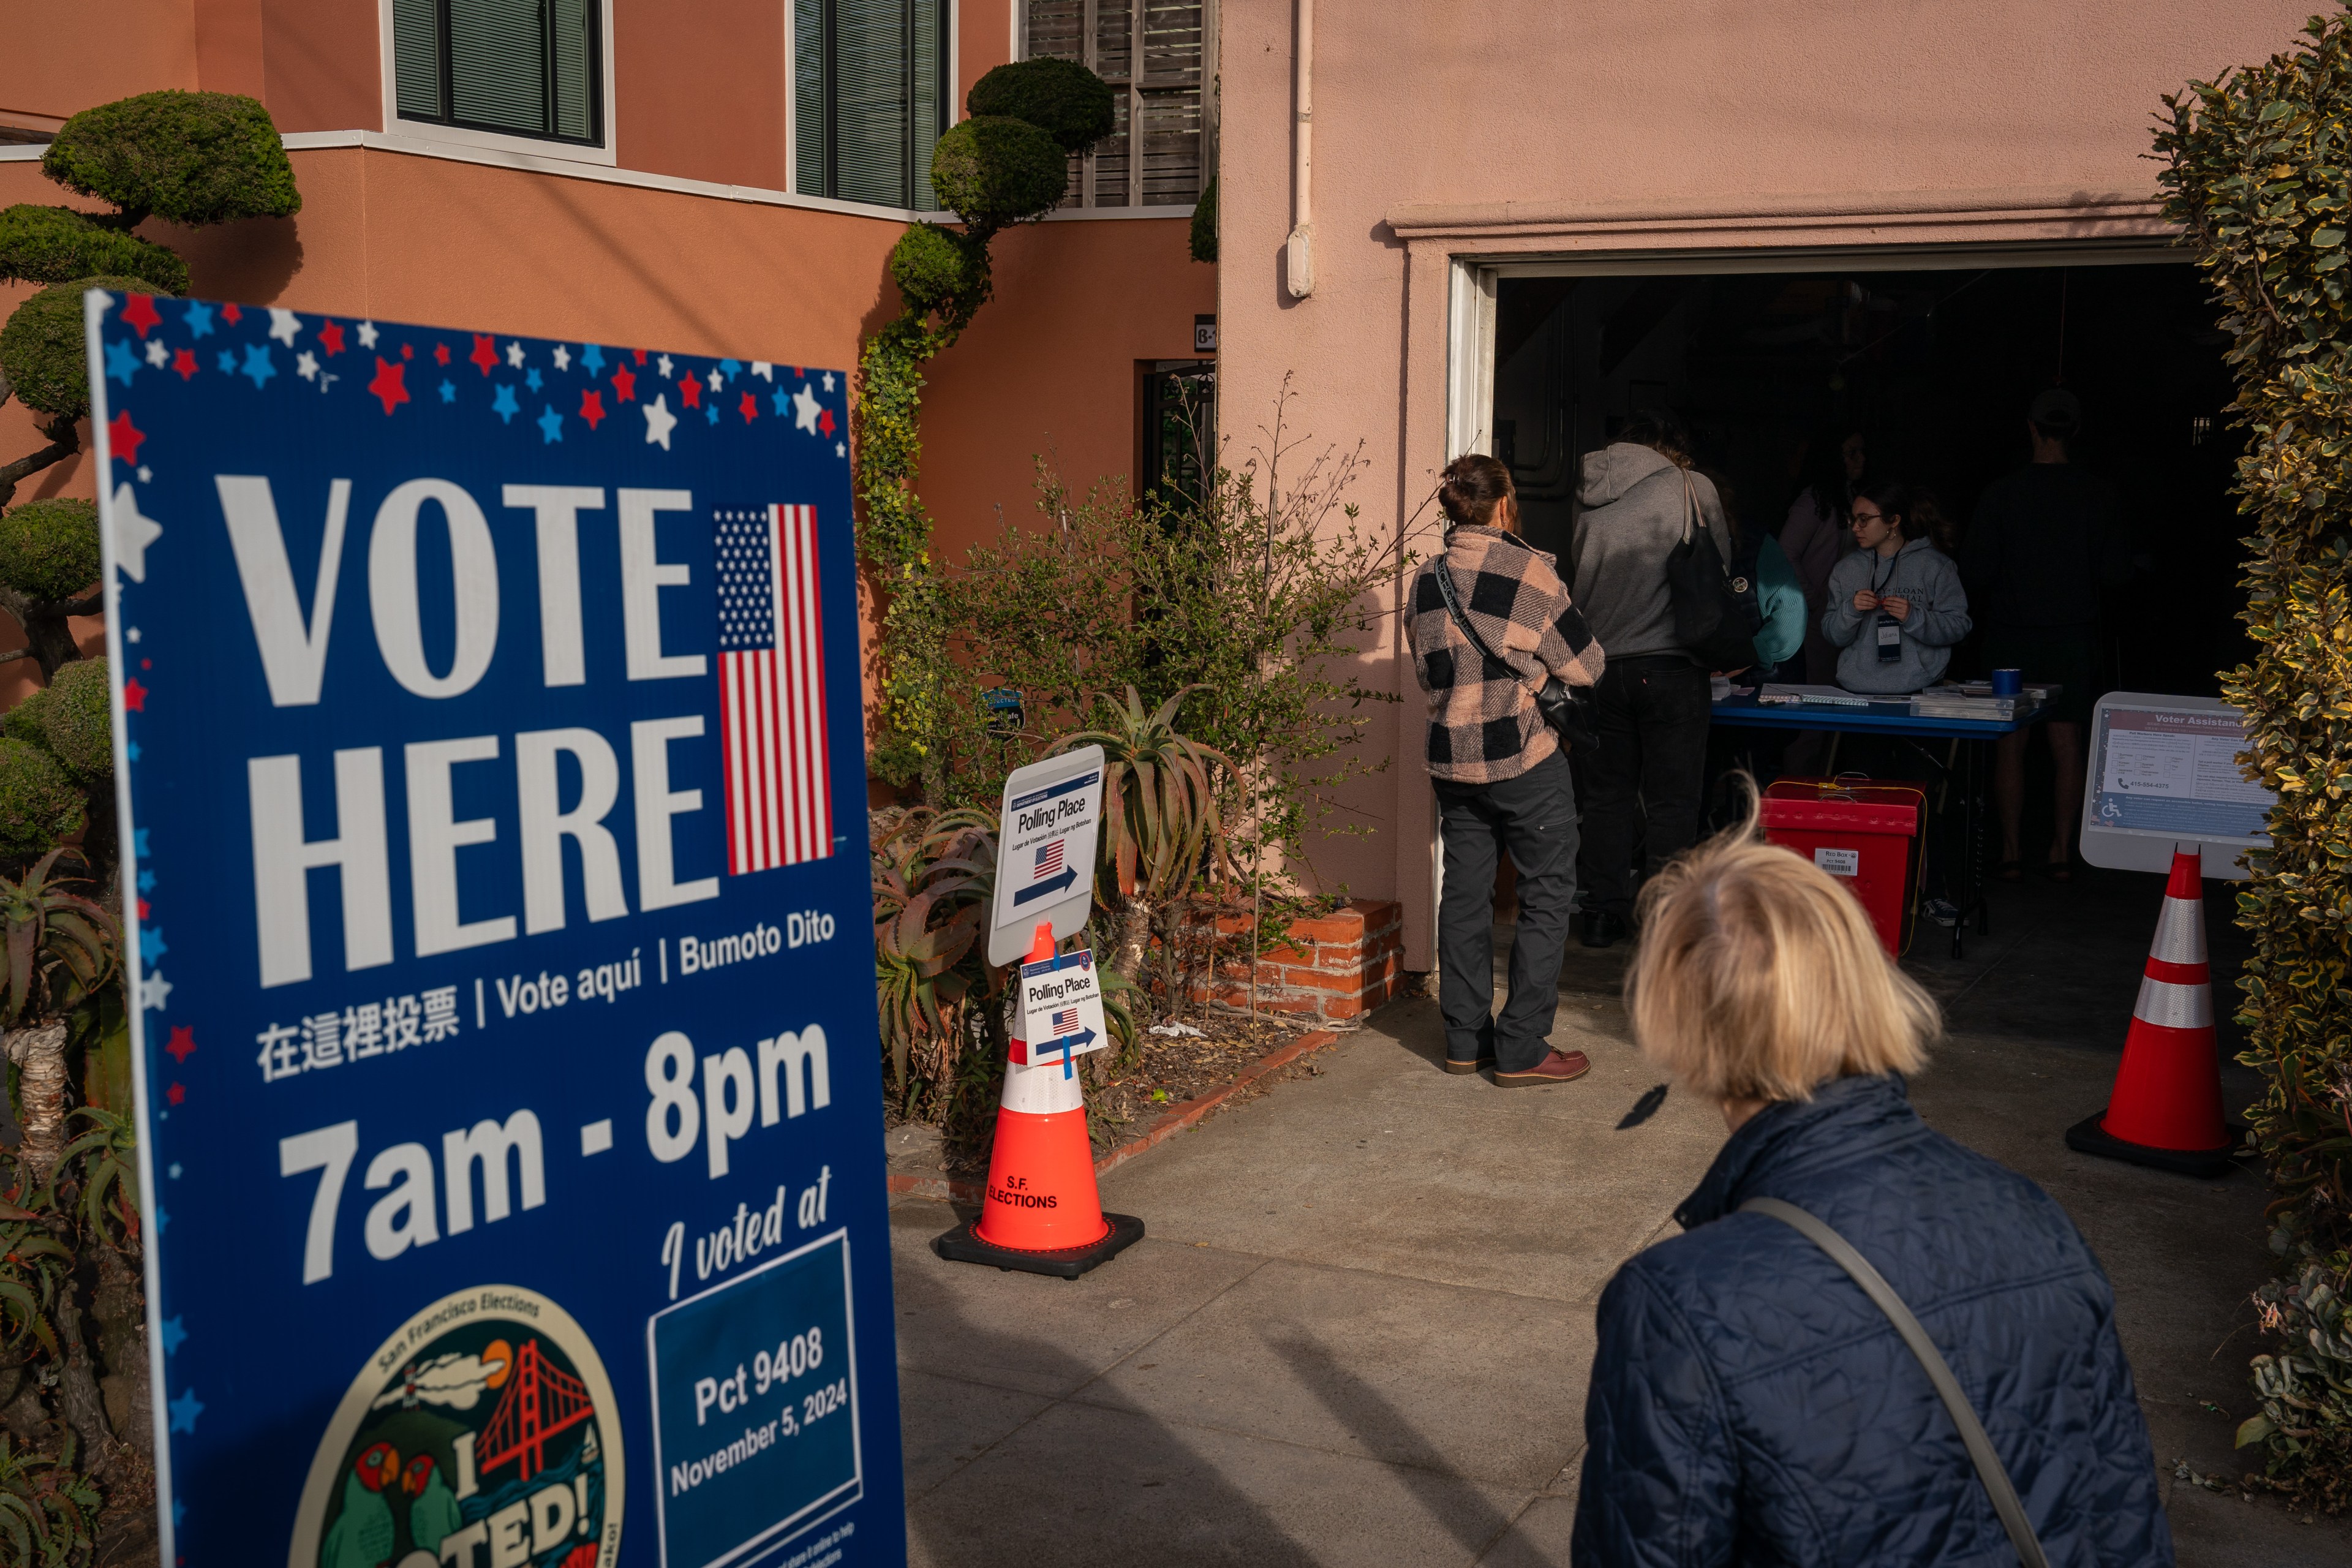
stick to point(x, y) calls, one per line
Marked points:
point(1453, 608)
point(1948, 1387)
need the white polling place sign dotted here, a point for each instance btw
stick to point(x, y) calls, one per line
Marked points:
point(1061, 1009)
point(1045, 850)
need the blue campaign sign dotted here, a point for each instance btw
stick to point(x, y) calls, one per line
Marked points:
point(488, 713)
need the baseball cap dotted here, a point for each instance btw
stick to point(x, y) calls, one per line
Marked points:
point(2056, 410)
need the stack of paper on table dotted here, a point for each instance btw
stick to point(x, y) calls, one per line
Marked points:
point(1836, 695)
point(1946, 704)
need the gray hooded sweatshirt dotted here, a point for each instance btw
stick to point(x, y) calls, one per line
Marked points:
point(1939, 618)
point(1632, 519)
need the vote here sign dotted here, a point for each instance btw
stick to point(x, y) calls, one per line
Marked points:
point(488, 720)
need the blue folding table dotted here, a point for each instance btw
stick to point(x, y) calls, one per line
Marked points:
point(1893, 717)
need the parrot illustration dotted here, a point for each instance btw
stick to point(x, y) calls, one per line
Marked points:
point(363, 1533)
point(434, 1515)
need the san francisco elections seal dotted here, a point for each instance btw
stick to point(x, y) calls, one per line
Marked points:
point(483, 1431)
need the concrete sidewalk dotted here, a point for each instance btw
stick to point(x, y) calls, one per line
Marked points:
point(1360, 1327)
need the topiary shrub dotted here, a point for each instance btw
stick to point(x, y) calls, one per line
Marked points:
point(2254, 173)
point(939, 272)
point(1205, 222)
point(41, 348)
point(992, 173)
point(77, 723)
point(49, 550)
point(38, 803)
point(195, 158)
point(1061, 98)
point(58, 245)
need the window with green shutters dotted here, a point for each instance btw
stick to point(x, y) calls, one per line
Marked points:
point(1160, 59)
point(870, 97)
point(522, 68)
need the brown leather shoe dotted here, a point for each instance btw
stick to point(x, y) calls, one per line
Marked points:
point(1558, 1068)
point(1456, 1065)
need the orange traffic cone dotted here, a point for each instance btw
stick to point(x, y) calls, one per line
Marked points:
point(2166, 1108)
point(1041, 1211)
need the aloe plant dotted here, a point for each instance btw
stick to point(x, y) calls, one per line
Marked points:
point(61, 947)
point(46, 1509)
point(1162, 829)
point(934, 872)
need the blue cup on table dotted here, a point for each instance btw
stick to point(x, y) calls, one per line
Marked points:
point(2008, 682)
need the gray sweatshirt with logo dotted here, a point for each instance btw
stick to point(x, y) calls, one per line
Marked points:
point(1939, 618)
point(1635, 508)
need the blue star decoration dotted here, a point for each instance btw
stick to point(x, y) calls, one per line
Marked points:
point(184, 1411)
point(710, 412)
point(448, 390)
point(133, 749)
point(530, 378)
point(199, 318)
point(146, 881)
point(162, 1219)
point(179, 1512)
point(226, 360)
point(783, 400)
point(503, 404)
point(550, 425)
point(121, 361)
point(256, 363)
point(730, 368)
point(593, 358)
point(174, 1331)
point(151, 945)
point(138, 850)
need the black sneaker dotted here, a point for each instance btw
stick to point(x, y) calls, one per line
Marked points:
point(1602, 930)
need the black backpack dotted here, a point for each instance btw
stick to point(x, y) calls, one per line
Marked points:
point(1717, 611)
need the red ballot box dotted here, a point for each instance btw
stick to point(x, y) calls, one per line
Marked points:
point(1862, 831)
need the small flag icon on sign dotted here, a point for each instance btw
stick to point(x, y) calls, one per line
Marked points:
point(1065, 1022)
point(1049, 860)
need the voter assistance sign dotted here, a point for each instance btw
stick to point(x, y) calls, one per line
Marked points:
point(488, 731)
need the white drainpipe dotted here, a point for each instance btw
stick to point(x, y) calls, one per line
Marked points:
point(1299, 256)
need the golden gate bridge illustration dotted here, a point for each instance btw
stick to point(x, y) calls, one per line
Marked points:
point(540, 1400)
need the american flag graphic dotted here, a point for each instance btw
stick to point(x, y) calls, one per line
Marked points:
point(771, 688)
point(1065, 1022)
point(1049, 860)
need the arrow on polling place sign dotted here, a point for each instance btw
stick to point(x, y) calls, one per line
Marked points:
point(1045, 850)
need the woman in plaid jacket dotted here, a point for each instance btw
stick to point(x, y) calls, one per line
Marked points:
point(1501, 780)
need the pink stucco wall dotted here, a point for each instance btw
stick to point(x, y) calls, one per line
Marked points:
point(1548, 127)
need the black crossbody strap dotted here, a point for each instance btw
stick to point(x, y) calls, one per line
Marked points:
point(1453, 608)
point(1948, 1387)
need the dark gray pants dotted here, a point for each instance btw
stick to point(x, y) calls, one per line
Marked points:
point(1532, 818)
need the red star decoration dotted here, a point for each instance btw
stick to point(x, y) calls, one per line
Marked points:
point(591, 406)
point(122, 437)
point(143, 909)
point(231, 314)
point(134, 696)
point(186, 363)
point(440, 354)
point(824, 421)
point(624, 384)
point(640, 353)
point(749, 407)
point(485, 354)
point(407, 351)
point(331, 338)
point(183, 1042)
point(139, 310)
point(798, 373)
point(176, 1093)
point(389, 387)
point(689, 394)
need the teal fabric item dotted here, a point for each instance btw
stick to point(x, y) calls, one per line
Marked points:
point(1783, 601)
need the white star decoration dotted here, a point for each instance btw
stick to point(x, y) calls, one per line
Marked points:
point(763, 370)
point(829, 381)
point(514, 355)
point(665, 364)
point(132, 532)
point(841, 449)
point(154, 991)
point(283, 325)
point(805, 408)
point(131, 635)
point(306, 365)
point(145, 473)
point(659, 421)
point(367, 335)
point(563, 357)
point(157, 354)
point(717, 382)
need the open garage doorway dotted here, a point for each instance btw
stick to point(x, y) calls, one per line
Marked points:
point(1935, 367)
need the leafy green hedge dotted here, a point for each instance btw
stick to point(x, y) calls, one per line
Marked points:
point(2256, 174)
